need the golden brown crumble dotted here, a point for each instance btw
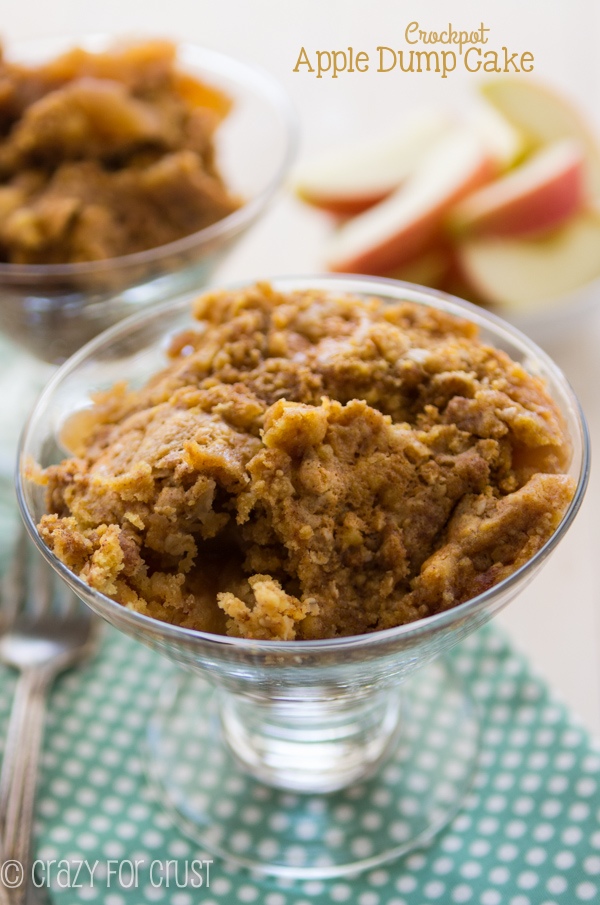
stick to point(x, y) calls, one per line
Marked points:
point(310, 465)
point(105, 154)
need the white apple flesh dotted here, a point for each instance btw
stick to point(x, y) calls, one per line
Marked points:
point(540, 194)
point(347, 181)
point(505, 143)
point(544, 117)
point(522, 274)
point(407, 222)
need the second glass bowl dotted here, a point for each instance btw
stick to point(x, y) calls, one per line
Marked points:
point(52, 310)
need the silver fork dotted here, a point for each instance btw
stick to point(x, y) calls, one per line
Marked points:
point(45, 630)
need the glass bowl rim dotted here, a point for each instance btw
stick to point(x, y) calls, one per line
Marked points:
point(261, 82)
point(397, 291)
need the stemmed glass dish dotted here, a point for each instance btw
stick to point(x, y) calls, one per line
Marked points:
point(53, 309)
point(50, 311)
point(264, 749)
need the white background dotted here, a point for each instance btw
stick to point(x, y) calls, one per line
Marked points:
point(555, 620)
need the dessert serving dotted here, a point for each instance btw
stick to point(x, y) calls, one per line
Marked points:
point(310, 464)
point(106, 154)
point(127, 174)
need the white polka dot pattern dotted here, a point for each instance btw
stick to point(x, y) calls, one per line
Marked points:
point(527, 834)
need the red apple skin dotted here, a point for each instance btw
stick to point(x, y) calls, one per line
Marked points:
point(410, 239)
point(356, 176)
point(344, 207)
point(429, 268)
point(543, 115)
point(542, 210)
point(397, 250)
point(537, 208)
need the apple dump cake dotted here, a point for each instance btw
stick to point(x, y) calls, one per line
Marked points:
point(106, 154)
point(310, 465)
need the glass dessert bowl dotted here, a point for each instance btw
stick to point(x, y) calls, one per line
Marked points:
point(261, 751)
point(51, 310)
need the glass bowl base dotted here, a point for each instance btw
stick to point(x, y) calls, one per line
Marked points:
point(414, 794)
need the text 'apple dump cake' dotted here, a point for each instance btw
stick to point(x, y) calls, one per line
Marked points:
point(310, 465)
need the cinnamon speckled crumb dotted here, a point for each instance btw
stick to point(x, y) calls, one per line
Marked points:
point(310, 465)
point(106, 154)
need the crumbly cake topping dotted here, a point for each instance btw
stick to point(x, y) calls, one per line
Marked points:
point(106, 154)
point(311, 465)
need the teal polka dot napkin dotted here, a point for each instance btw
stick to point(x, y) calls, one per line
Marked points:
point(528, 832)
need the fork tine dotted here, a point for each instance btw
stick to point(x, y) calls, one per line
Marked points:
point(45, 631)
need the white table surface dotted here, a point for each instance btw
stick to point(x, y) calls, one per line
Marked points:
point(556, 619)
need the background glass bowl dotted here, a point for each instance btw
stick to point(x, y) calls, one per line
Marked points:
point(316, 716)
point(52, 310)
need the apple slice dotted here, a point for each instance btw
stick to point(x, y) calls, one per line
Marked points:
point(538, 195)
point(400, 227)
point(505, 143)
point(428, 269)
point(347, 181)
point(544, 116)
point(523, 273)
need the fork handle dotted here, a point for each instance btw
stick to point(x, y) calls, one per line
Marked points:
point(14, 746)
point(18, 779)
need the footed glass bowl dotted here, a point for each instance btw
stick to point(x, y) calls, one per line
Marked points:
point(52, 310)
point(268, 752)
